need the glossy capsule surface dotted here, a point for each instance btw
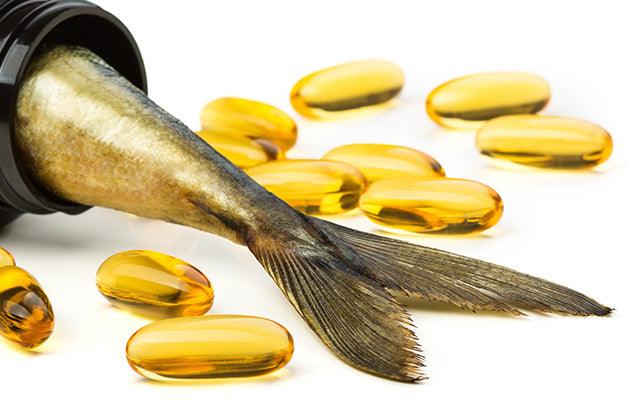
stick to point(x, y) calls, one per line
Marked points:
point(242, 151)
point(154, 284)
point(445, 205)
point(545, 141)
point(237, 117)
point(6, 258)
point(379, 161)
point(312, 186)
point(346, 88)
point(215, 346)
point(467, 102)
point(26, 316)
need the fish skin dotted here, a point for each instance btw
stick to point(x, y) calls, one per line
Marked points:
point(85, 134)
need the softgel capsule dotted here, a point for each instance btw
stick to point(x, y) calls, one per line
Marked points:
point(203, 347)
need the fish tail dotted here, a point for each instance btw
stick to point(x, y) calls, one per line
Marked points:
point(343, 283)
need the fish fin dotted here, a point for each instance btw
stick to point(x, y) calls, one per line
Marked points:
point(356, 317)
point(437, 275)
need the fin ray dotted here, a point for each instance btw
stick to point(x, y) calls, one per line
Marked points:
point(468, 283)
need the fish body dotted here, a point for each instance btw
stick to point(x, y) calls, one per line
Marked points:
point(87, 135)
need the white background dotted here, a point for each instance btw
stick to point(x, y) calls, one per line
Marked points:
point(568, 227)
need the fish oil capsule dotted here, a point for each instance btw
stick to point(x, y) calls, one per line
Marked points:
point(242, 151)
point(154, 284)
point(26, 316)
point(379, 161)
point(312, 186)
point(6, 258)
point(215, 346)
point(434, 205)
point(467, 102)
point(545, 141)
point(236, 117)
point(346, 88)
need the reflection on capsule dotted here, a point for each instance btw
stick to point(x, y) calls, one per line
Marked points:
point(236, 117)
point(545, 141)
point(6, 258)
point(154, 284)
point(26, 316)
point(242, 151)
point(345, 88)
point(312, 186)
point(379, 161)
point(215, 346)
point(469, 101)
point(435, 205)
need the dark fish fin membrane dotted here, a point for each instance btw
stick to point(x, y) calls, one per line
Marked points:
point(354, 315)
point(436, 275)
point(343, 281)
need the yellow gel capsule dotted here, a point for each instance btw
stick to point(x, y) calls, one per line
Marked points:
point(312, 186)
point(242, 151)
point(545, 141)
point(445, 205)
point(154, 284)
point(469, 101)
point(346, 88)
point(26, 316)
point(236, 117)
point(378, 161)
point(6, 258)
point(215, 346)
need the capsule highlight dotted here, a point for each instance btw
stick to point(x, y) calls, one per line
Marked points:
point(6, 258)
point(237, 117)
point(215, 346)
point(545, 141)
point(26, 316)
point(154, 284)
point(432, 205)
point(312, 186)
point(379, 161)
point(346, 88)
point(241, 151)
point(467, 102)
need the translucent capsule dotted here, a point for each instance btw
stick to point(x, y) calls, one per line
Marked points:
point(468, 101)
point(236, 117)
point(26, 316)
point(215, 346)
point(378, 161)
point(242, 151)
point(346, 88)
point(6, 258)
point(435, 205)
point(545, 141)
point(154, 284)
point(312, 186)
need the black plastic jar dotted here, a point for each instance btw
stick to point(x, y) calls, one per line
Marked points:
point(24, 25)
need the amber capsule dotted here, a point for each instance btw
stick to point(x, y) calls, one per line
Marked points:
point(236, 117)
point(242, 151)
point(312, 186)
point(154, 284)
point(435, 205)
point(469, 101)
point(346, 88)
point(6, 258)
point(215, 346)
point(26, 316)
point(545, 141)
point(379, 161)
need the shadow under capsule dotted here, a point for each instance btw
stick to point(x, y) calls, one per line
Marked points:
point(40, 350)
point(531, 170)
point(204, 382)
